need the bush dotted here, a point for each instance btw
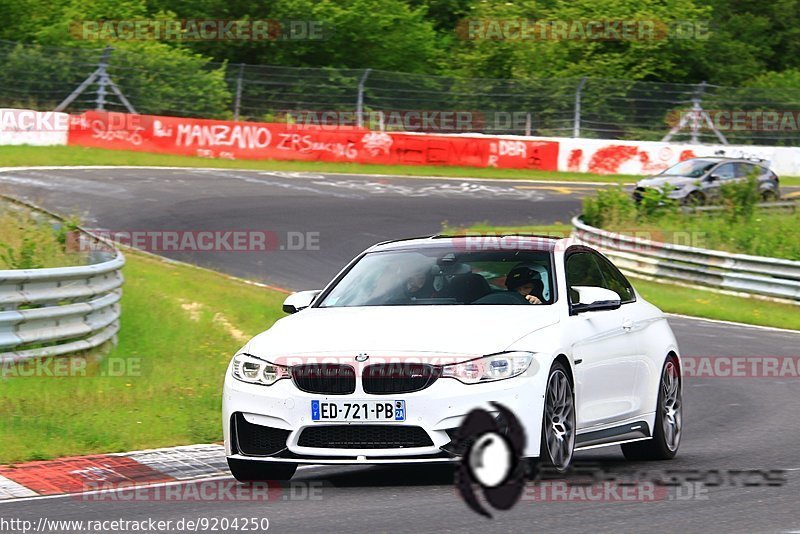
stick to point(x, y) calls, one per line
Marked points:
point(614, 206)
point(655, 204)
point(739, 227)
point(611, 206)
point(32, 243)
point(740, 199)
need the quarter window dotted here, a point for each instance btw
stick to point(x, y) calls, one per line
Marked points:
point(743, 170)
point(616, 281)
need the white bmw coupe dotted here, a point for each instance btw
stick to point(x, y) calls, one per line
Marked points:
point(384, 364)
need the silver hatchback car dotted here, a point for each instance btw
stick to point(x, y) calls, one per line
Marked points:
point(698, 181)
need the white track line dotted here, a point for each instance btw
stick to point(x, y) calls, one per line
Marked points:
point(732, 323)
point(366, 175)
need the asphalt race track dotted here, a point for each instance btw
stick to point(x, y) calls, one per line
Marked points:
point(348, 213)
point(740, 454)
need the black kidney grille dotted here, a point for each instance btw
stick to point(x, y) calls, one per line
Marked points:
point(258, 440)
point(325, 378)
point(364, 437)
point(380, 379)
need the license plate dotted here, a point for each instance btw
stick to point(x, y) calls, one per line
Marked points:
point(371, 410)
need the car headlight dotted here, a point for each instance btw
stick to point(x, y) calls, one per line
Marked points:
point(254, 370)
point(489, 368)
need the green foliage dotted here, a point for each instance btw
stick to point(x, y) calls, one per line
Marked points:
point(158, 77)
point(740, 199)
point(32, 243)
point(740, 226)
point(745, 38)
point(378, 34)
point(610, 206)
point(634, 59)
point(743, 42)
point(656, 203)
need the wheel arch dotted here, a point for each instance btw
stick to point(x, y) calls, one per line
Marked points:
point(562, 358)
point(674, 354)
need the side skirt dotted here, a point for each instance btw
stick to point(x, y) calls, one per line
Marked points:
point(635, 431)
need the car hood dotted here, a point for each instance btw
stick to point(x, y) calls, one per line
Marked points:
point(659, 181)
point(388, 330)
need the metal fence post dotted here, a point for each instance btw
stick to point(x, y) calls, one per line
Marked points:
point(360, 99)
point(100, 102)
point(100, 75)
point(238, 101)
point(697, 109)
point(576, 120)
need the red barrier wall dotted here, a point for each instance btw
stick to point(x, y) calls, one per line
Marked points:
point(252, 140)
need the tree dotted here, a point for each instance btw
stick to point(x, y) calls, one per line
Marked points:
point(660, 57)
point(378, 34)
point(156, 76)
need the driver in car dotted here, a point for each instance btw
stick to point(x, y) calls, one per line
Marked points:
point(525, 281)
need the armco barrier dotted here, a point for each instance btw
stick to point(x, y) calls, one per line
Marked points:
point(252, 140)
point(605, 156)
point(36, 128)
point(57, 311)
point(753, 275)
point(281, 141)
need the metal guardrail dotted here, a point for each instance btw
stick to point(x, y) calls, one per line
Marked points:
point(741, 273)
point(781, 205)
point(57, 311)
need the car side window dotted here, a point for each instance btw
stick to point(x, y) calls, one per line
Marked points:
point(616, 281)
point(582, 270)
point(743, 170)
point(725, 172)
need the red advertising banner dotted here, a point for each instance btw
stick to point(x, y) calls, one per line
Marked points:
point(252, 140)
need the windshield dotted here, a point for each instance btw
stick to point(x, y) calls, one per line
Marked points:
point(444, 277)
point(693, 168)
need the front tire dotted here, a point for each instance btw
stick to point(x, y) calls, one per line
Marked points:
point(558, 424)
point(669, 420)
point(252, 471)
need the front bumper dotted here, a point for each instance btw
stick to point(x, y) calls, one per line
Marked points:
point(436, 410)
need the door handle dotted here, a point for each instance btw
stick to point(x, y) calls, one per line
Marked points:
point(627, 325)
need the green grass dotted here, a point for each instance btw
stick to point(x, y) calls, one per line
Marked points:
point(28, 241)
point(771, 234)
point(678, 299)
point(738, 226)
point(180, 326)
point(699, 303)
point(18, 156)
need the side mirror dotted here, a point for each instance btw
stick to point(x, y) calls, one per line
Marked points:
point(712, 178)
point(300, 300)
point(592, 298)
